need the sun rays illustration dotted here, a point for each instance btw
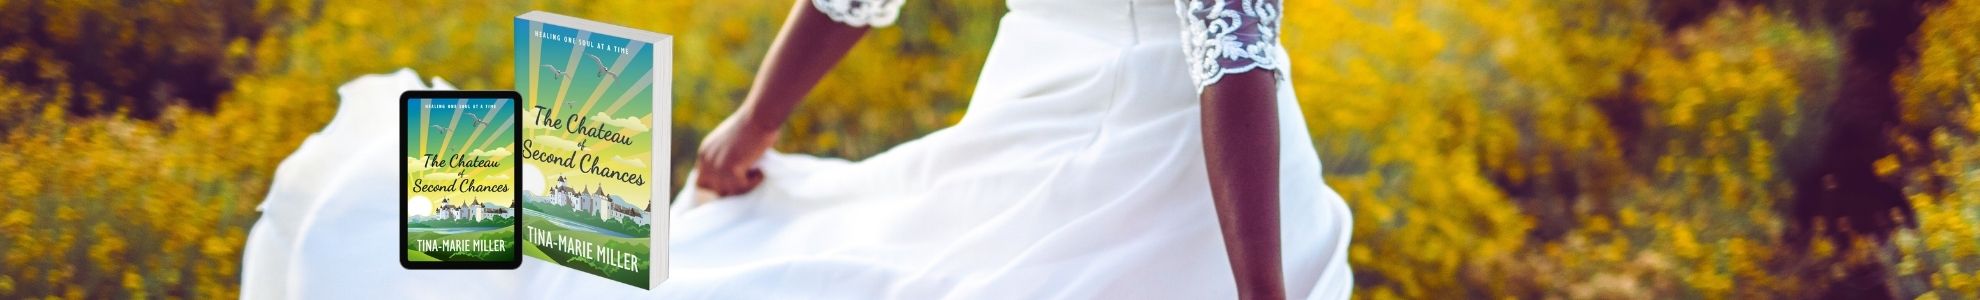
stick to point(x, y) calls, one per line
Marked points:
point(480, 138)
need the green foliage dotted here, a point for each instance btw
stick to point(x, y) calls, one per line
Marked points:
point(110, 201)
point(497, 221)
point(495, 255)
point(1489, 148)
point(617, 225)
point(1577, 149)
point(634, 246)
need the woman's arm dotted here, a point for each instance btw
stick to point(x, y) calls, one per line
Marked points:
point(1233, 51)
point(1241, 149)
point(809, 45)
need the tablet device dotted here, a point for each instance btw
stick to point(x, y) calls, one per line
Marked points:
point(460, 191)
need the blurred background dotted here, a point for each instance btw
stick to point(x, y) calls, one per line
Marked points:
point(1488, 148)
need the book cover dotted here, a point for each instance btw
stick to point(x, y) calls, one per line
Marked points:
point(597, 98)
point(459, 194)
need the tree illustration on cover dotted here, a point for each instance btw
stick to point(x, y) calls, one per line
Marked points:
point(462, 203)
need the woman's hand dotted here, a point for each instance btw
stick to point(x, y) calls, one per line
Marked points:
point(727, 158)
point(809, 45)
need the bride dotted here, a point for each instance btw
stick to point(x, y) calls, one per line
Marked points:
point(1116, 149)
point(1112, 149)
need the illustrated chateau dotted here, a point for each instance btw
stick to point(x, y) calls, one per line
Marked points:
point(594, 202)
point(475, 212)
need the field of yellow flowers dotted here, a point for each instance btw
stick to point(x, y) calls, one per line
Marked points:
point(1488, 148)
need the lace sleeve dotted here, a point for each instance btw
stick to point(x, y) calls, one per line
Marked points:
point(1229, 36)
point(860, 13)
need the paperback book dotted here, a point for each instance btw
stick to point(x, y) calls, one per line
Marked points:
point(596, 98)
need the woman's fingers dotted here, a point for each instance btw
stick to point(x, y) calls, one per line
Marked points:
point(728, 157)
point(716, 183)
point(729, 183)
point(720, 182)
point(752, 179)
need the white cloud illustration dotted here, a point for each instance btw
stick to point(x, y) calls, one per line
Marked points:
point(629, 161)
point(555, 142)
point(629, 124)
point(497, 152)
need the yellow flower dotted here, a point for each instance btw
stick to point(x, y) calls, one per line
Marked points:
point(1885, 166)
point(67, 214)
point(16, 221)
point(134, 285)
point(1683, 243)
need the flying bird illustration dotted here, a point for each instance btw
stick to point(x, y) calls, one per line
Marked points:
point(560, 73)
point(602, 70)
point(478, 121)
point(441, 129)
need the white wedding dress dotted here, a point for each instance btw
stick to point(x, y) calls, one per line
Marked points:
point(1078, 173)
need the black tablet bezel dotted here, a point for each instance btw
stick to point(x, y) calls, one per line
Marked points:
point(404, 181)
